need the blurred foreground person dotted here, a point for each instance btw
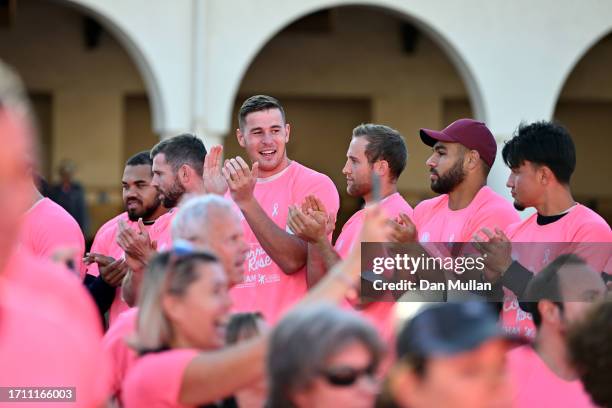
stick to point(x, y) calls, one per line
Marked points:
point(182, 314)
point(322, 356)
point(559, 296)
point(452, 355)
point(590, 345)
point(49, 330)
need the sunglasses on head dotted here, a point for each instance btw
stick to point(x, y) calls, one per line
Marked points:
point(347, 376)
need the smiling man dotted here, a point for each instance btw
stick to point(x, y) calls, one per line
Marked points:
point(275, 276)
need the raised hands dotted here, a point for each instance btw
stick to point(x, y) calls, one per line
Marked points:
point(403, 230)
point(214, 181)
point(311, 222)
point(496, 250)
point(240, 179)
point(137, 245)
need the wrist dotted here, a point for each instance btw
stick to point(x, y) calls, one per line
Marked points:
point(246, 204)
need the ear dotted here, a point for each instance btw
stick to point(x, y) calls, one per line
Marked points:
point(172, 307)
point(184, 174)
point(381, 167)
point(472, 159)
point(545, 175)
point(287, 132)
point(550, 312)
point(240, 137)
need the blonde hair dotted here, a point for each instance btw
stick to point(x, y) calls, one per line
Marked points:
point(168, 273)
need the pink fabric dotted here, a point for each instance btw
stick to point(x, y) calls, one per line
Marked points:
point(580, 225)
point(47, 227)
point(105, 243)
point(393, 205)
point(437, 223)
point(156, 378)
point(266, 288)
point(380, 314)
point(161, 231)
point(50, 332)
point(535, 385)
point(122, 357)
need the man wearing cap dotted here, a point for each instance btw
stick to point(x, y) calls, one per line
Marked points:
point(451, 355)
point(542, 374)
point(463, 154)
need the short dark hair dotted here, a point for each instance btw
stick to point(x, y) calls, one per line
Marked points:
point(590, 346)
point(182, 149)
point(384, 143)
point(140, 159)
point(258, 103)
point(542, 143)
point(545, 286)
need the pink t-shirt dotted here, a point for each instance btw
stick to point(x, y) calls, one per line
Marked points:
point(580, 225)
point(535, 385)
point(380, 314)
point(266, 288)
point(435, 222)
point(47, 227)
point(122, 357)
point(155, 380)
point(50, 332)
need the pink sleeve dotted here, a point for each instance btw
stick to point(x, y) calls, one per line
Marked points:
point(497, 216)
point(322, 187)
point(121, 356)
point(156, 379)
point(60, 234)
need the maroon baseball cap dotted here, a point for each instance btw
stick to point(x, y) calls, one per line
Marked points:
point(470, 133)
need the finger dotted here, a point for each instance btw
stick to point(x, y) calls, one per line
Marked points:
point(228, 178)
point(122, 226)
point(244, 166)
point(488, 233)
point(501, 235)
point(141, 226)
point(319, 204)
point(406, 220)
point(255, 170)
point(232, 171)
point(293, 227)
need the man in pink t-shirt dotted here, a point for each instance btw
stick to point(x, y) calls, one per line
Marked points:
point(375, 151)
point(463, 154)
point(542, 374)
point(141, 201)
point(542, 158)
point(47, 228)
point(275, 273)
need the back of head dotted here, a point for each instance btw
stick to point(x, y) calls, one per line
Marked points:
point(590, 346)
point(544, 144)
point(258, 103)
point(243, 326)
point(180, 150)
point(384, 143)
point(305, 339)
point(546, 285)
point(140, 159)
point(194, 216)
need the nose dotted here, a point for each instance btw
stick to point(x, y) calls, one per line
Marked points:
point(368, 385)
point(155, 180)
point(346, 170)
point(510, 181)
point(431, 163)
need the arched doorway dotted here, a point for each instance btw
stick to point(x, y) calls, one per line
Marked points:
point(342, 66)
point(92, 102)
point(585, 108)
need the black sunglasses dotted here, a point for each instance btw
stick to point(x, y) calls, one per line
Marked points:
point(347, 376)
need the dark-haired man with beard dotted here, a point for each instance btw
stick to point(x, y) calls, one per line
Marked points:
point(106, 260)
point(463, 154)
